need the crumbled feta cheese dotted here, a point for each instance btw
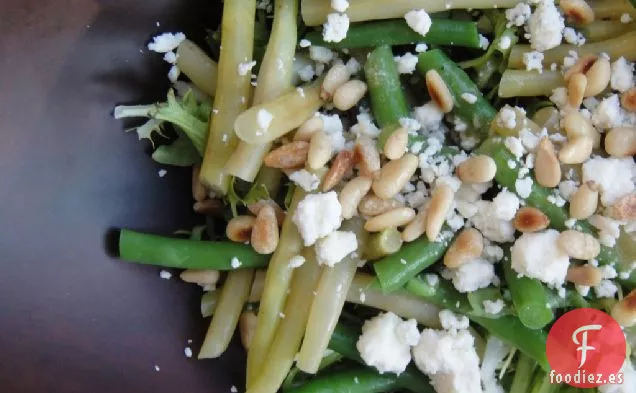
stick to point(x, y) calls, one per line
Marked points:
point(613, 176)
point(571, 59)
point(606, 288)
point(583, 290)
point(317, 215)
point(505, 205)
point(573, 37)
point(166, 275)
point(420, 48)
point(507, 117)
point(493, 307)
point(567, 188)
point(157, 369)
point(629, 380)
point(492, 253)
point(537, 255)
point(609, 229)
point(353, 66)
point(304, 43)
point(170, 57)
point(187, 351)
point(406, 63)
point(608, 272)
point(419, 21)
point(410, 124)
point(339, 5)
point(296, 261)
point(432, 279)
point(559, 97)
point(166, 42)
point(320, 54)
point(504, 43)
point(469, 98)
point(514, 145)
point(334, 247)
point(162, 172)
point(263, 119)
point(386, 341)
point(305, 179)
point(306, 73)
point(492, 359)
point(488, 221)
point(545, 26)
point(523, 187)
point(483, 42)
point(336, 27)
point(332, 126)
point(626, 18)
point(607, 113)
point(622, 77)
point(452, 321)
point(518, 15)
point(245, 67)
point(235, 263)
point(429, 116)
point(533, 61)
point(173, 73)
point(365, 126)
point(473, 275)
point(450, 360)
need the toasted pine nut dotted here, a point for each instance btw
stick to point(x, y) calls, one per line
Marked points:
point(621, 142)
point(391, 219)
point(344, 161)
point(467, 246)
point(371, 205)
point(320, 150)
point(576, 89)
point(576, 151)
point(336, 77)
point(583, 202)
point(265, 231)
point(477, 169)
point(530, 219)
point(628, 99)
point(576, 125)
point(394, 175)
point(586, 275)
point(309, 128)
point(200, 276)
point(367, 156)
point(254, 208)
point(198, 189)
point(579, 245)
point(291, 155)
point(208, 207)
point(598, 77)
point(351, 195)
point(247, 327)
point(625, 208)
point(438, 91)
point(624, 312)
point(257, 286)
point(415, 228)
point(396, 144)
point(239, 229)
point(349, 94)
point(580, 67)
point(577, 11)
point(441, 201)
point(547, 169)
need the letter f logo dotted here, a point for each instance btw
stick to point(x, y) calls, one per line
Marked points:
point(583, 343)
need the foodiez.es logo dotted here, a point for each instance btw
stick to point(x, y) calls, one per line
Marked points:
point(586, 348)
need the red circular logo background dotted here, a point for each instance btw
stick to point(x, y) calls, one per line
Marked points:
point(588, 345)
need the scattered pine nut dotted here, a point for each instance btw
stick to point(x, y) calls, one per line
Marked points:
point(579, 245)
point(396, 144)
point(477, 169)
point(265, 231)
point(391, 219)
point(586, 275)
point(349, 94)
point(239, 228)
point(441, 201)
point(291, 155)
point(530, 219)
point(320, 150)
point(547, 168)
point(438, 91)
point(394, 175)
point(351, 195)
point(467, 246)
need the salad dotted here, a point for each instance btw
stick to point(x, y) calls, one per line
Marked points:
point(403, 195)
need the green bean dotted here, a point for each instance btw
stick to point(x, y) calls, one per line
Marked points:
point(397, 32)
point(330, 357)
point(357, 380)
point(209, 301)
point(233, 295)
point(382, 243)
point(529, 297)
point(274, 78)
point(388, 102)
point(477, 115)
point(185, 253)
point(197, 66)
point(614, 47)
point(233, 92)
point(289, 334)
point(477, 298)
point(327, 304)
point(507, 328)
point(521, 83)
point(397, 269)
point(538, 198)
point(523, 374)
point(600, 30)
point(314, 12)
point(612, 9)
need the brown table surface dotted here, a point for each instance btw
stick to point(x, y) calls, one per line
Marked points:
point(73, 319)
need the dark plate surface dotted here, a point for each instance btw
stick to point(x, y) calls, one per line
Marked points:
point(73, 319)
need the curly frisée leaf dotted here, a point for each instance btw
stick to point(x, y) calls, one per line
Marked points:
point(256, 193)
point(181, 152)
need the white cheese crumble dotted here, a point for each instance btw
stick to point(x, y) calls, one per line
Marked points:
point(170, 57)
point(622, 77)
point(406, 63)
point(304, 43)
point(537, 255)
point(419, 21)
point(162, 172)
point(607, 113)
point(504, 43)
point(245, 67)
point(296, 261)
point(483, 42)
point(514, 145)
point(505, 205)
point(336, 27)
point(626, 18)
point(523, 187)
point(386, 341)
point(305, 179)
point(320, 54)
point(469, 98)
point(609, 229)
point(235, 263)
point(473, 275)
point(420, 48)
point(545, 26)
point(332, 126)
point(317, 215)
point(306, 73)
point(233, 389)
point(573, 37)
point(507, 117)
point(166, 42)
point(187, 351)
point(488, 219)
point(606, 288)
point(493, 307)
point(166, 275)
point(518, 15)
point(533, 61)
point(173, 73)
point(334, 247)
point(613, 176)
point(452, 321)
point(429, 116)
point(559, 97)
point(264, 119)
point(339, 5)
point(365, 126)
